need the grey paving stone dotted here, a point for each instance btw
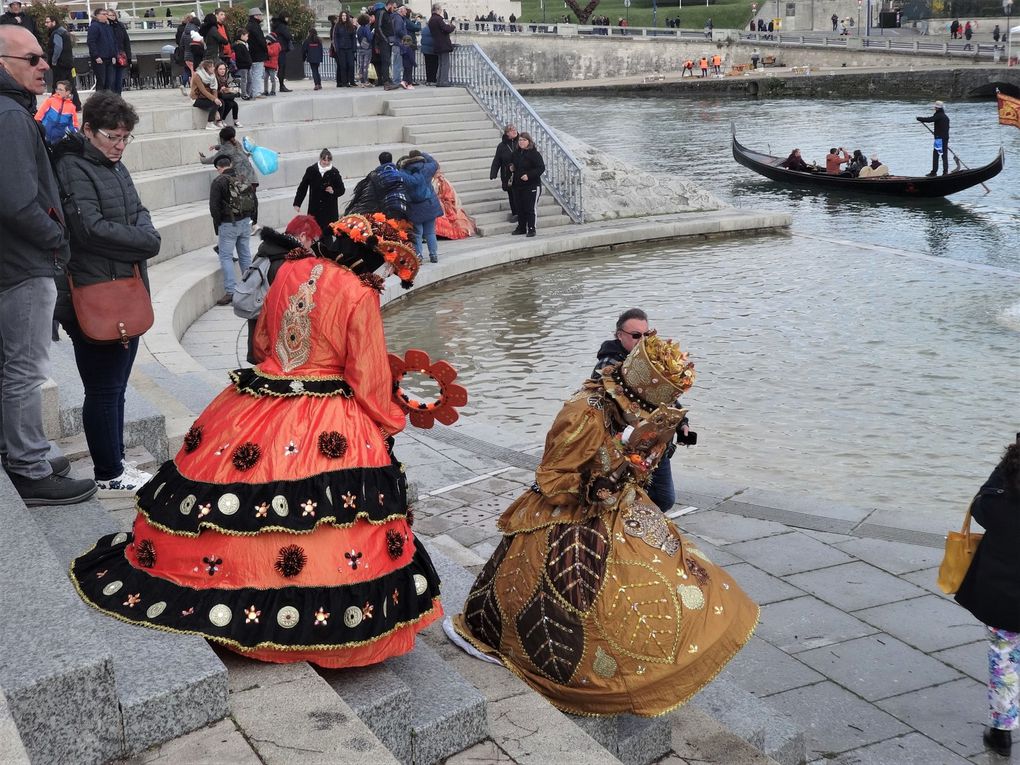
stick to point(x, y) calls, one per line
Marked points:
point(428, 506)
point(483, 753)
point(167, 684)
point(765, 727)
point(954, 714)
point(12, 751)
point(789, 553)
point(926, 578)
point(835, 720)
point(497, 485)
point(853, 586)
point(700, 740)
point(458, 552)
point(689, 480)
point(219, 743)
point(970, 658)
point(763, 588)
point(433, 526)
point(827, 536)
point(894, 557)
point(448, 714)
point(469, 494)
point(801, 503)
point(455, 580)
point(912, 749)
point(633, 740)
point(762, 669)
point(484, 549)
point(468, 535)
point(301, 720)
point(878, 666)
point(725, 528)
point(469, 514)
point(717, 555)
point(930, 622)
point(803, 623)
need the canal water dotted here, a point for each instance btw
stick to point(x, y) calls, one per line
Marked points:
point(871, 355)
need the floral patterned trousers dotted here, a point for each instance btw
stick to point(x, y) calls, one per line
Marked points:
point(1003, 680)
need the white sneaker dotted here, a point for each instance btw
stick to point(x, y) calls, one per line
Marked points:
point(211, 126)
point(124, 485)
point(132, 469)
point(238, 124)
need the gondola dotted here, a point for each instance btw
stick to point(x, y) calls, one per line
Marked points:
point(890, 185)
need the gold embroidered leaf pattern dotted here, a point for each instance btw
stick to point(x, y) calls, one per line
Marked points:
point(576, 562)
point(641, 616)
point(294, 341)
point(551, 636)
point(481, 610)
point(517, 579)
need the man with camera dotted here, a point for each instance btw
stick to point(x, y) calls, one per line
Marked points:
point(631, 326)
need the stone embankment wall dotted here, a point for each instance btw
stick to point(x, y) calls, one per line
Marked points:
point(532, 59)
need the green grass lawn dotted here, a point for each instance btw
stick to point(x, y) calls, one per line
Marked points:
point(692, 16)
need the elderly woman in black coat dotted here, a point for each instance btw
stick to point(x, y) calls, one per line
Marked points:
point(112, 237)
point(991, 591)
point(324, 186)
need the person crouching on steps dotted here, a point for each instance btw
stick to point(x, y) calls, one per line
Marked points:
point(527, 166)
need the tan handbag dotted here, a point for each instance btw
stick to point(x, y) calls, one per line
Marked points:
point(113, 312)
point(960, 547)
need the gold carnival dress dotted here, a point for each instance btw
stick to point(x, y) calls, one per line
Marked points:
point(593, 597)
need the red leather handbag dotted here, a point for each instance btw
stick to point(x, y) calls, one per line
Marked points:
point(113, 312)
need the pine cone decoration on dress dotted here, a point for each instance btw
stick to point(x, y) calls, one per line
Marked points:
point(246, 456)
point(332, 444)
point(290, 561)
point(146, 553)
point(394, 543)
point(192, 438)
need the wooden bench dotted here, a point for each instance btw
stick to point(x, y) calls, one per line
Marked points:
point(769, 61)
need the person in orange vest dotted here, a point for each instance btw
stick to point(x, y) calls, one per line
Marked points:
point(717, 64)
point(688, 69)
point(704, 66)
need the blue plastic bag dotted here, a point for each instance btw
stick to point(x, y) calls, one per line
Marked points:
point(266, 161)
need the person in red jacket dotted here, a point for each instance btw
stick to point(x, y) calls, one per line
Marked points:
point(58, 114)
point(272, 65)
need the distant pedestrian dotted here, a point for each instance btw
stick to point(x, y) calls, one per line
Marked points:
point(324, 186)
point(429, 53)
point(242, 61)
point(688, 69)
point(57, 113)
point(703, 64)
point(996, 33)
point(272, 70)
point(102, 45)
point(364, 50)
point(717, 64)
point(122, 61)
point(991, 592)
point(441, 44)
point(345, 45)
point(835, 22)
point(407, 63)
point(311, 54)
point(259, 51)
point(527, 166)
point(231, 205)
point(416, 171)
point(16, 16)
point(502, 165)
point(280, 27)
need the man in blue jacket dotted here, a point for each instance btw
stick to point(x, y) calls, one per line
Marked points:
point(33, 254)
point(102, 49)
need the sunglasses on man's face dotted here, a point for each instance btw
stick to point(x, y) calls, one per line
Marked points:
point(33, 59)
point(637, 335)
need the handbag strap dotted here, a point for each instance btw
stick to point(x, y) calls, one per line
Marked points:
point(965, 530)
point(135, 266)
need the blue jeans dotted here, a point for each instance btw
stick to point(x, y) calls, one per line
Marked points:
point(104, 74)
point(429, 230)
point(258, 71)
point(118, 85)
point(26, 323)
point(104, 371)
point(231, 235)
point(660, 489)
point(396, 64)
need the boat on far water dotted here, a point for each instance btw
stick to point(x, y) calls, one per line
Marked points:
point(905, 186)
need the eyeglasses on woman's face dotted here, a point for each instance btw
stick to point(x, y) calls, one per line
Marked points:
point(123, 140)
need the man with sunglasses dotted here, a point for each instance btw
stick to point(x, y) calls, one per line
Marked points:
point(631, 326)
point(33, 253)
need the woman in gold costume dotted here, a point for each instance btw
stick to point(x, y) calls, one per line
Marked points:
point(593, 597)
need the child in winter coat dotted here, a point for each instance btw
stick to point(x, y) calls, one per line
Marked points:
point(407, 58)
point(272, 65)
point(311, 52)
point(58, 114)
point(242, 60)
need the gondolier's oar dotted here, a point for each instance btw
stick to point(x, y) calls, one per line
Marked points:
point(956, 157)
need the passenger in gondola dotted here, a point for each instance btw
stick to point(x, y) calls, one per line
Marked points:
point(876, 169)
point(857, 162)
point(796, 162)
point(835, 160)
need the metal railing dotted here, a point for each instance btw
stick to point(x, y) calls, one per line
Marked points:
point(472, 69)
point(928, 47)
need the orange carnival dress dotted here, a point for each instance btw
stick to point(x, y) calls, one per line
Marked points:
point(280, 528)
point(454, 223)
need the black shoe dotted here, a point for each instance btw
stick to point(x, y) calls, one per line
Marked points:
point(60, 465)
point(998, 740)
point(531, 232)
point(53, 490)
point(517, 231)
point(227, 299)
point(932, 174)
point(284, 90)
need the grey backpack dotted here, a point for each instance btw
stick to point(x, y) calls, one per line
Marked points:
point(250, 292)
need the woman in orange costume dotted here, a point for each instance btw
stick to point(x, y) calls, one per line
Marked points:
point(280, 530)
point(454, 223)
point(593, 597)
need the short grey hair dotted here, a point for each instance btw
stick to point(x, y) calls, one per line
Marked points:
point(437, 7)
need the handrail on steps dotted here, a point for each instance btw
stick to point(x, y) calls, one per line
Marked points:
point(472, 69)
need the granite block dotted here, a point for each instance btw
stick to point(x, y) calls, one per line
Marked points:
point(697, 739)
point(12, 751)
point(835, 720)
point(725, 528)
point(167, 684)
point(448, 715)
point(912, 749)
point(790, 553)
point(454, 550)
point(382, 701)
point(853, 586)
point(894, 557)
point(57, 676)
point(970, 658)
point(761, 587)
point(803, 623)
point(953, 714)
point(632, 740)
point(762, 669)
point(483, 753)
point(455, 580)
point(302, 721)
point(930, 623)
point(877, 666)
point(768, 729)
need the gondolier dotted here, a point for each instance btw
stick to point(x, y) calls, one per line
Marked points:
point(941, 145)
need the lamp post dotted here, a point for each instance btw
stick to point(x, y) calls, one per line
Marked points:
point(1007, 6)
point(860, 3)
point(754, 13)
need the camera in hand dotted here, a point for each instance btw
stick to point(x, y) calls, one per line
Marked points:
point(687, 440)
